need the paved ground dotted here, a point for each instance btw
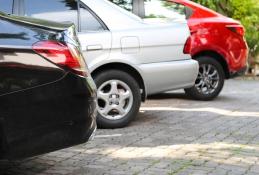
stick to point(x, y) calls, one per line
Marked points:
point(172, 135)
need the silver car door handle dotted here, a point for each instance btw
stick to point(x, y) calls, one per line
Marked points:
point(94, 47)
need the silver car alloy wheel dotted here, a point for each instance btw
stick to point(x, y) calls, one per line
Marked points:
point(208, 79)
point(115, 99)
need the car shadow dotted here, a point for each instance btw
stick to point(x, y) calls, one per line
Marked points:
point(183, 96)
point(174, 95)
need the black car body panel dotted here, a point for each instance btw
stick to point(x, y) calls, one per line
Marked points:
point(43, 107)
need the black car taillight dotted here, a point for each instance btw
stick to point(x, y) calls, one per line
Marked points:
point(188, 46)
point(238, 29)
point(66, 56)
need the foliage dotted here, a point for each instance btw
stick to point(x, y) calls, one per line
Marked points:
point(126, 4)
point(246, 11)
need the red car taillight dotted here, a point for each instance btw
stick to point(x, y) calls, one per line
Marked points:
point(188, 46)
point(238, 29)
point(66, 56)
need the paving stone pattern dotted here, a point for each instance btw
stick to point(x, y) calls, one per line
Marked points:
point(172, 135)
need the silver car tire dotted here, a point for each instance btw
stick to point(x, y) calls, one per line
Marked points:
point(118, 99)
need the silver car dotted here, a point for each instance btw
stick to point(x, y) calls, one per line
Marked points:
point(129, 58)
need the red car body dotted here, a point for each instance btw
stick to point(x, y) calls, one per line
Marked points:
point(218, 36)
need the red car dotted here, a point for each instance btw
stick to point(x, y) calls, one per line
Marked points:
point(218, 42)
point(219, 45)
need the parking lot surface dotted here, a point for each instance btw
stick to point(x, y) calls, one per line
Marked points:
point(172, 135)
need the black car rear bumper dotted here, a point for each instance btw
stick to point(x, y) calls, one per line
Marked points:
point(64, 116)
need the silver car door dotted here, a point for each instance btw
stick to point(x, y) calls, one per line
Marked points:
point(94, 36)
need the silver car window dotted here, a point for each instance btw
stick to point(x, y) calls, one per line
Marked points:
point(88, 21)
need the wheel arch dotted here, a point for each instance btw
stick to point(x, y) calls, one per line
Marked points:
point(218, 57)
point(126, 68)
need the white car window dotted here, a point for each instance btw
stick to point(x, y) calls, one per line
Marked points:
point(164, 10)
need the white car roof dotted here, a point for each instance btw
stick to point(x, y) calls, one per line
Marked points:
point(113, 16)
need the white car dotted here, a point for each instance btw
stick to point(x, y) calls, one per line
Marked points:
point(129, 58)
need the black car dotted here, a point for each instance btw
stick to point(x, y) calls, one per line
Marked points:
point(47, 96)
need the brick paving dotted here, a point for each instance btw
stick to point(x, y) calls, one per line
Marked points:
point(172, 135)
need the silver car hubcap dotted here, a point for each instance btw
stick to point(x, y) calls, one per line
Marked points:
point(115, 99)
point(208, 79)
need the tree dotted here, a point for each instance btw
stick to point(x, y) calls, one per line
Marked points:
point(246, 11)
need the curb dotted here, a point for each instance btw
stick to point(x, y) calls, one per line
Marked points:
point(254, 78)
